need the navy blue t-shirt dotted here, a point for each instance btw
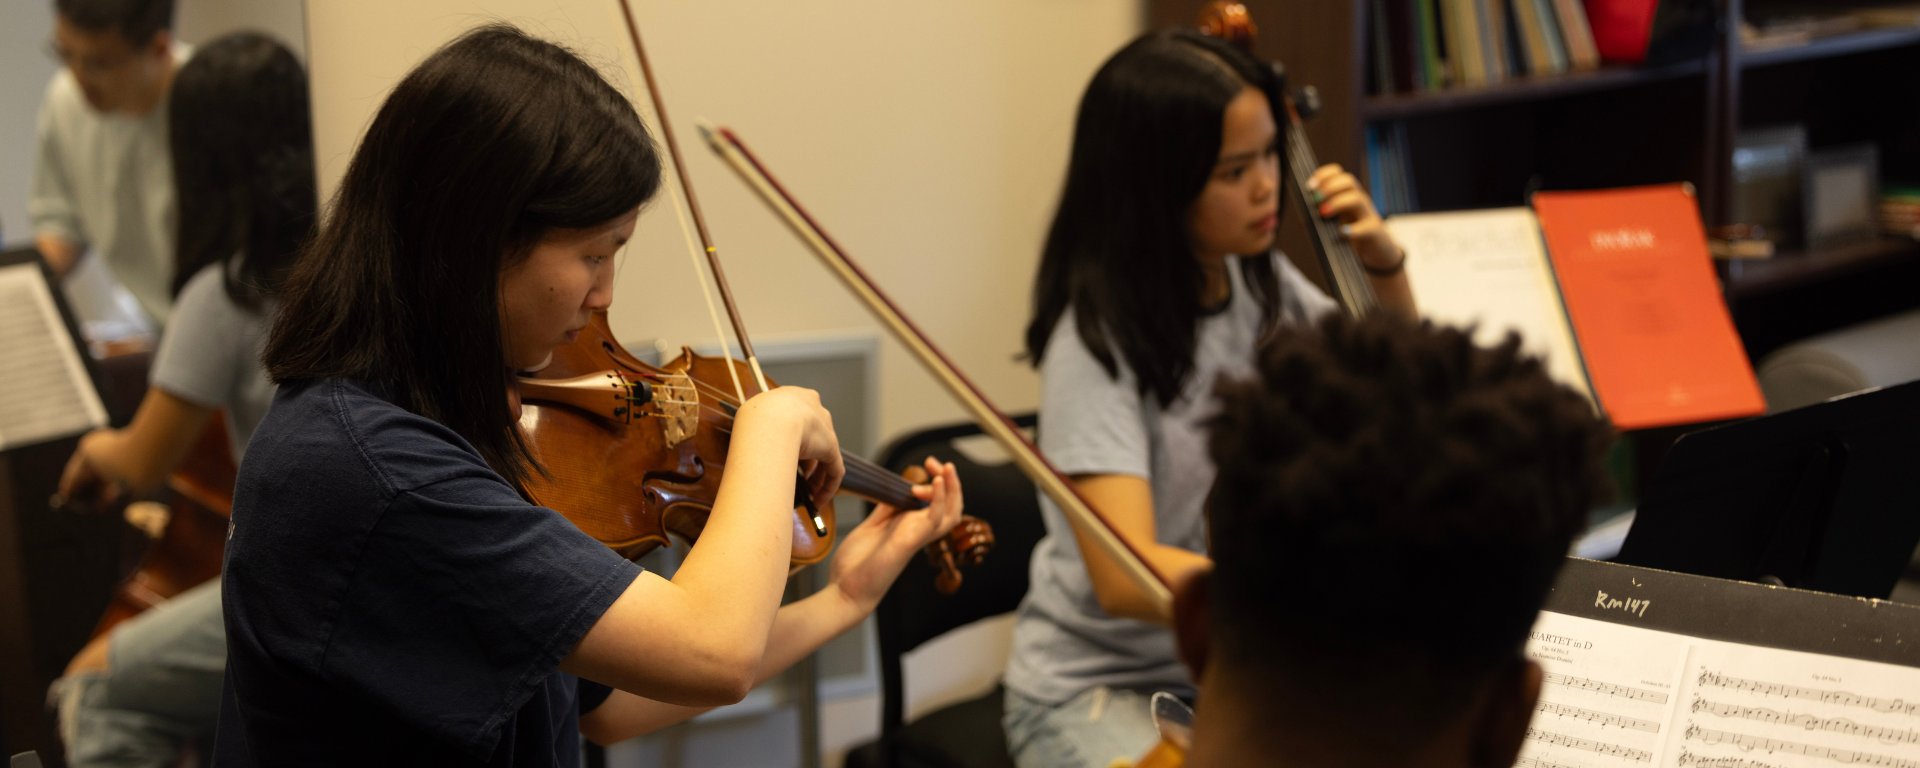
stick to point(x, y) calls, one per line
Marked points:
point(390, 600)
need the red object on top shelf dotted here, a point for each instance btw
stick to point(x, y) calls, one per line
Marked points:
point(1621, 28)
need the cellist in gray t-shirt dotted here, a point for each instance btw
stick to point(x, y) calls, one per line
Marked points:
point(1158, 276)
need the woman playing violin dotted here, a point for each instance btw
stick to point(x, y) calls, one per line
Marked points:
point(391, 595)
point(1159, 274)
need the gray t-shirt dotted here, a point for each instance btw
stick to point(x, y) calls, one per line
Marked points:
point(210, 355)
point(1090, 423)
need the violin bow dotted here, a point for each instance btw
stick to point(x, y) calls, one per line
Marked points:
point(1050, 480)
point(699, 220)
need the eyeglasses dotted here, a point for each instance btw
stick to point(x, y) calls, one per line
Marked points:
point(93, 65)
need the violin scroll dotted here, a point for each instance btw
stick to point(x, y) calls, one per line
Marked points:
point(967, 544)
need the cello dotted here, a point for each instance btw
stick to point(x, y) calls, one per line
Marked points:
point(188, 535)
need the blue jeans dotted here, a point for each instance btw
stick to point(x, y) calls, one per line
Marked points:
point(162, 686)
point(1090, 730)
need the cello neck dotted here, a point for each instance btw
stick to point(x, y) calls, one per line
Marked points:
point(1346, 278)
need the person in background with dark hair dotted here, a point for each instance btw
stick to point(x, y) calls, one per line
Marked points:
point(1158, 275)
point(1391, 506)
point(392, 597)
point(102, 177)
point(242, 148)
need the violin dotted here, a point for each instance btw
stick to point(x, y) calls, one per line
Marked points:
point(634, 452)
point(1346, 278)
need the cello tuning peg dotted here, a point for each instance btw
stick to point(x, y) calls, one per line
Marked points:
point(1306, 101)
point(1279, 74)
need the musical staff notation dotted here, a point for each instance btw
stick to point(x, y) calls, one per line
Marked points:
point(1595, 686)
point(1597, 718)
point(1713, 679)
point(1586, 745)
point(1747, 743)
point(48, 393)
point(1534, 762)
point(1690, 759)
point(1839, 725)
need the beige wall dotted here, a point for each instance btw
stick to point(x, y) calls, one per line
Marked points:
point(198, 21)
point(928, 137)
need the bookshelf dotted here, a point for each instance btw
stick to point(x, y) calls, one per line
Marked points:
point(1762, 277)
point(1493, 146)
point(1617, 126)
point(1401, 106)
point(1837, 45)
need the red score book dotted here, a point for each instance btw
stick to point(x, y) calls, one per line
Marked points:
point(1646, 309)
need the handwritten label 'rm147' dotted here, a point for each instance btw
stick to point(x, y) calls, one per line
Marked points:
point(1634, 606)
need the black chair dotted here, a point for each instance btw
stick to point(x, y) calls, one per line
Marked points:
point(967, 734)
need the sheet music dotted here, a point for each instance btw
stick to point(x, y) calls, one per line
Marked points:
point(1617, 696)
point(1608, 695)
point(1747, 707)
point(1489, 267)
point(47, 393)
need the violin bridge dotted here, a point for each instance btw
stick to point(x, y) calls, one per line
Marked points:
point(679, 404)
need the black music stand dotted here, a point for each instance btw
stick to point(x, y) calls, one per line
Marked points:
point(1815, 498)
point(56, 568)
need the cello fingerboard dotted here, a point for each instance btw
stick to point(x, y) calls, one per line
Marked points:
point(1346, 279)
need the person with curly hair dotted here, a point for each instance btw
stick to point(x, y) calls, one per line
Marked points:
point(1392, 505)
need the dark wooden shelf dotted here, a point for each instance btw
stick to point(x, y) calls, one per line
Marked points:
point(1836, 45)
point(1520, 89)
point(1748, 278)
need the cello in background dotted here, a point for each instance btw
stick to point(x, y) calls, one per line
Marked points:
point(188, 534)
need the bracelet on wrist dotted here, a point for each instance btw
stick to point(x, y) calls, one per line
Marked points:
point(1398, 266)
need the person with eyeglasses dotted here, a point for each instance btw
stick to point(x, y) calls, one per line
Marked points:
point(102, 177)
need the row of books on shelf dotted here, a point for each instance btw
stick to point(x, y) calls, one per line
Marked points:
point(1390, 169)
point(1900, 211)
point(1428, 45)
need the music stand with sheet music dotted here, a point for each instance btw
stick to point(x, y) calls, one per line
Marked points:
point(51, 394)
point(54, 390)
point(1815, 498)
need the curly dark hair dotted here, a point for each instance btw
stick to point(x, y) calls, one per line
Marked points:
point(1392, 504)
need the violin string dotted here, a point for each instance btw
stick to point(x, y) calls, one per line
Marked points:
point(657, 107)
point(856, 467)
point(700, 276)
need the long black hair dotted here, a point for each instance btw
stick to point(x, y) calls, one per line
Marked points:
point(493, 140)
point(242, 140)
point(1120, 251)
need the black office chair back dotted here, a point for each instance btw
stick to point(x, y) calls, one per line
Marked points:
point(913, 612)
